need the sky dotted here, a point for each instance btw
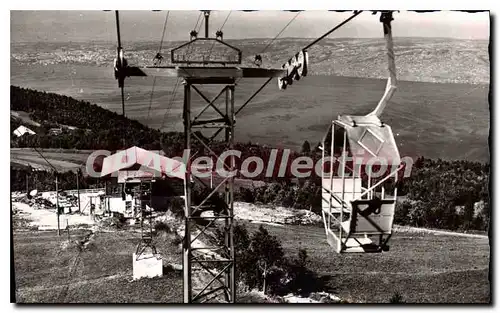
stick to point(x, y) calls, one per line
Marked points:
point(82, 26)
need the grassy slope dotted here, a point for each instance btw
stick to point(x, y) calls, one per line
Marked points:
point(101, 274)
point(423, 268)
point(24, 118)
point(61, 159)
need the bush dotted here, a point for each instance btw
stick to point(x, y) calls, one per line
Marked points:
point(396, 298)
point(176, 206)
point(118, 220)
point(245, 195)
point(177, 240)
point(262, 264)
point(301, 280)
point(160, 227)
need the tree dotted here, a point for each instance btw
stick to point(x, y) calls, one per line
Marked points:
point(268, 253)
point(396, 298)
point(306, 147)
point(259, 258)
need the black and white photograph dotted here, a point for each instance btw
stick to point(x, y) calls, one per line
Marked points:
point(252, 156)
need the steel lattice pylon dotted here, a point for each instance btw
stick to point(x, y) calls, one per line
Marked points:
point(215, 264)
point(209, 264)
point(143, 205)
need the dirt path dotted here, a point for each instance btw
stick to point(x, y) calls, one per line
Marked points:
point(47, 219)
point(423, 273)
point(72, 284)
point(436, 231)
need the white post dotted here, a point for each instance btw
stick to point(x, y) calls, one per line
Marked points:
point(332, 157)
point(391, 81)
point(369, 180)
point(395, 186)
point(343, 184)
point(322, 181)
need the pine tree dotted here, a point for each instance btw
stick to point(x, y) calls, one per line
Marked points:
point(306, 147)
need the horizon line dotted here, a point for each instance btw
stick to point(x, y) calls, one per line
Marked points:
point(250, 38)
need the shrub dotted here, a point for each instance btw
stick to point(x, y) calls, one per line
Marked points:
point(262, 264)
point(118, 220)
point(162, 227)
point(177, 240)
point(176, 206)
point(396, 298)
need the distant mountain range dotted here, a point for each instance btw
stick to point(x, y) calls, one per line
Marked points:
point(417, 59)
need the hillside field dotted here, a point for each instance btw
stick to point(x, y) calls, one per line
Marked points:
point(49, 270)
point(422, 267)
point(61, 159)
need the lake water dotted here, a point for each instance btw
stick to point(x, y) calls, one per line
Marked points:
point(449, 121)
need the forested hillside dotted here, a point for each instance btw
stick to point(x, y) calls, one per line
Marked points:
point(97, 128)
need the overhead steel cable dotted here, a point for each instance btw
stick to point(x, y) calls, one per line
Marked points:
point(151, 97)
point(57, 190)
point(177, 83)
point(282, 30)
point(258, 57)
point(43, 157)
point(356, 13)
point(198, 20)
point(201, 24)
point(220, 30)
point(164, 29)
point(158, 57)
point(227, 17)
point(120, 60)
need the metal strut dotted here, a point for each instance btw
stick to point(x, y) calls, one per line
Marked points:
point(143, 198)
point(215, 259)
point(386, 18)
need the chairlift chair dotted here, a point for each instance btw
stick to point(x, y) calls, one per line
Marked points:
point(356, 203)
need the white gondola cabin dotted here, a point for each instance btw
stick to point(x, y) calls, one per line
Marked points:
point(358, 185)
point(359, 190)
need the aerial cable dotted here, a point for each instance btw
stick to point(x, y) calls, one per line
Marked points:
point(151, 97)
point(284, 28)
point(198, 20)
point(194, 32)
point(258, 57)
point(43, 157)
point(178, 79)
point(164, 29)
point(177, 84)
point(356, 13)
point(297, 65)
point(199, 27)
point(120, 62)
point(158, 58)
point(219, 33)
point(227, 17)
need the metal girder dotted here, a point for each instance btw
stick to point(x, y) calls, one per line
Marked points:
point(144, 198)
point(214, 274)
point(202, 75)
